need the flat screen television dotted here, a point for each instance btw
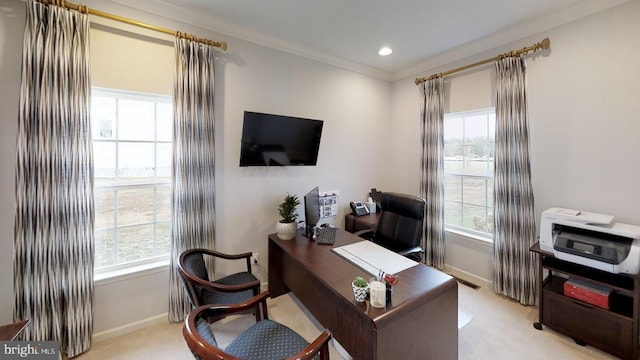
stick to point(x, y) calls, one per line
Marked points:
point(311, 211)
point(277, 140)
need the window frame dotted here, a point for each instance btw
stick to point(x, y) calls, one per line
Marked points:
point(126, 267)
point(462, 175)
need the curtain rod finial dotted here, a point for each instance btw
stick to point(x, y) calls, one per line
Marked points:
point(545, 44)
point(223, 46)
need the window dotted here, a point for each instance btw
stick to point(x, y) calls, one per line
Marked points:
point(469, 146)
point(132, 160)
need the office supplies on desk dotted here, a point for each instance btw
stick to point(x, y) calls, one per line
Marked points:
point(358, 208)
point(327, 236)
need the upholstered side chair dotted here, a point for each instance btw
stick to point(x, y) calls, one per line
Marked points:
point(264, 340)
point(232, 289)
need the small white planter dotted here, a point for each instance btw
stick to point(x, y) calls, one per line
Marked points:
point(360, 293)
point(286, 231)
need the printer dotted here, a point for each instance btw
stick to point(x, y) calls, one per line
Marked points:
point(591, 239)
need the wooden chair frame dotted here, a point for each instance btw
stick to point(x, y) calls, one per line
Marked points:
point(191, 280)
point(206, 351)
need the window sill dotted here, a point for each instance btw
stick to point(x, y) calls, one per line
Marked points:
point(131, 272)
point(472, 237)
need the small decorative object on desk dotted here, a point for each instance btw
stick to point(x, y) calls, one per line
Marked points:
point(377, 292)
point(390, 281)
point(360, 288)
point(286, 227)
point(371, 205)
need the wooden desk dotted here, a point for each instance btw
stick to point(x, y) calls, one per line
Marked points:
point(10, 331)
point(421, 322)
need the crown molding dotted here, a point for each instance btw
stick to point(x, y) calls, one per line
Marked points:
point(175, 12)
point(221, 26)
point(507, 36)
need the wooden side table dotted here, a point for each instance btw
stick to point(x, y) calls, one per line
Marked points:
point(354, 223)
point(10, 331)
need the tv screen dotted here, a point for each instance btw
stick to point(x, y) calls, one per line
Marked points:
point(276, 140)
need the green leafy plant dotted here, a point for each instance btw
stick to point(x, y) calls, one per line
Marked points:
point(287, 208)
point(360, 282)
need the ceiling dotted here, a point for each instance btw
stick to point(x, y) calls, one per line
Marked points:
point(423, 34)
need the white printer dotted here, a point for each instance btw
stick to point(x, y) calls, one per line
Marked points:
point(591, 239)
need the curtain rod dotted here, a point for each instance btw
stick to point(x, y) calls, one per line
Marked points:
point(542, 45)
point(83, 9)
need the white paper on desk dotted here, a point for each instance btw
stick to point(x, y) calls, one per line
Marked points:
point(373, 258)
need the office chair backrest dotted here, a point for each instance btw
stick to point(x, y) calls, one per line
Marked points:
point(194, 264)
point(401, 221)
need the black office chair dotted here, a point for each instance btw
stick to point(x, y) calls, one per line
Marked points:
point(233, 289)
point(265, 339)
point(400, 226)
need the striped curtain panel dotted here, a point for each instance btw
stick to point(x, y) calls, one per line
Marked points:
point(514, 272)
point(432, 169)
point(53, 248)
point(193, 213)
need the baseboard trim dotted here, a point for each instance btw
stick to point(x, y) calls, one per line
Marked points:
point(467, 276)
point(128, 328)
point(141, 324)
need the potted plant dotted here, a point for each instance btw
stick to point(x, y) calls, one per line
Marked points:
point(360, 288)
point(286, 227)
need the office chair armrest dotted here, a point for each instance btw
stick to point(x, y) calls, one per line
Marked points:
point(412, 253)
point(320, 344)
point(214, 286)
point(365, 234)
point(246, 256)
point(254, 302)
point(211, 285)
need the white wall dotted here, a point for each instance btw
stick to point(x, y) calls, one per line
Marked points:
point(584, 128)
point(355, 108)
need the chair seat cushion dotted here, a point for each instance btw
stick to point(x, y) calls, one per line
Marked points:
point(220, 297)
point(267, 340)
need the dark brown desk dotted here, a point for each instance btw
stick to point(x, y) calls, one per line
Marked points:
point(421, 322)
point(10, 331)
point(354, 223)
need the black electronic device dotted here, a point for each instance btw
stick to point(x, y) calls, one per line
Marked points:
point(327, 236)
point(311, 211)
point(358, 208)
point(276, 140)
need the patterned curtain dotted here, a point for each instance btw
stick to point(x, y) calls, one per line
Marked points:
point(53, 248)
point(432, 169)
point(514, 272)
point(193, 213)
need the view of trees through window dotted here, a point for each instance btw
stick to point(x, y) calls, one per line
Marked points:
point(469, 145)
point(132, 160)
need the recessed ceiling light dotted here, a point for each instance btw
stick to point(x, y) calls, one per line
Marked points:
point(385, 51)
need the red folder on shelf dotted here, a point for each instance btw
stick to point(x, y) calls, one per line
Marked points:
point(594, 294)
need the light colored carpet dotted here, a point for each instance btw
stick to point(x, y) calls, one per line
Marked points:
point(463, 318)
point(500, 329)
